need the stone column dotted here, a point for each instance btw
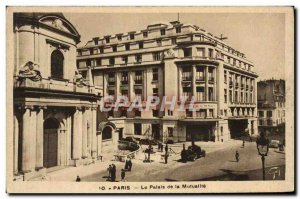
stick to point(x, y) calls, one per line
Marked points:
point(84, 133)
point(28, 146)
point(40, 138)
point(131, 83)
point(179, 83)
point(16, 144)
point(77, 134)
point(89, 133)
point(93, 127)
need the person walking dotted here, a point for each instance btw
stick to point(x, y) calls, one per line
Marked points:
point(166, 157)
point(109, 171)
point(78, 179)
point(166, 148)
point(113, 173)
point(126, 165)
point(129, 165)
point(243, 142)
point(123, 175)
point(237, 156)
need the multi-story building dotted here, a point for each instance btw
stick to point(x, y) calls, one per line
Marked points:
point(271, 105)
point(54, 107)
point(173, 59)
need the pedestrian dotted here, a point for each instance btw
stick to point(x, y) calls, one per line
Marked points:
point(126, 165)
point(113, 173)
point(166, 157)
point(122, 175)
point(166, 148)
point(129, 165)
point(78, 179)
point(109, 171)
point(243, 142)
point(237, 156)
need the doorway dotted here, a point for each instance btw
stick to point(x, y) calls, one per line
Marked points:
point(51, 128)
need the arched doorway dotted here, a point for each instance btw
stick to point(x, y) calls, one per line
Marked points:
point(57, 65)
point(51, 128)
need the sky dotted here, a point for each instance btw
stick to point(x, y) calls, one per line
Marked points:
point(261, 36)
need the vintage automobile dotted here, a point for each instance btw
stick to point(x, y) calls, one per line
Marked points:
point(274, 144)
point(194, 152)
point(130, 139)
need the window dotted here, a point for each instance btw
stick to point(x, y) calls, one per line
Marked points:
point(200, 94)
point(230, 96)
point(119, 37)
point(187, 92)
point(178, 29)
point(186, 74)
point(124, 78)
point(107, 133)
point(269, 113)
point(111, 79)
point(155, 74)
point(162, 31)
point(145, 34)
point(234, 62)
point(156, 56)
point(225, 95)
point(173, 41)
point(98, 62)
point(188, 113)
point(155, 91)
point(225, 112)
point(201, 113)
point(210, 53)
point(101, 50)
point(210, 94)
point(96, 41)
point(91, 51)
point(125, 59)
point(127, 46)
point(57, 65)
point(155, 113)
point(210, 74)
point(210, 112)
point(88, 62)
point(170, 113)
point(138, 58)
point(158, 42)
point(138, 77)
point(111, 93)
point(187, 52)
point(141, 45)
point(107, 40)
point(111, 61)
point(201, 52)
point(236, 96)
point(137, 113)
point(124, 92)
point(123, 113)
point(261, 114)
point(170, 132)
point(79, 53)
point(225, 76)
point(200, 73)
point(114, 48)
point(131, 36)
point(137, 129)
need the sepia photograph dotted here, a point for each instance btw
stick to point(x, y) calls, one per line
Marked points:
point(150, 100)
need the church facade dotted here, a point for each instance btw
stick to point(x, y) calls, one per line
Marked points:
point(55, 108)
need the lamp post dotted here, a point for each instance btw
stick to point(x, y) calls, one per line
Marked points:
point(262, 144)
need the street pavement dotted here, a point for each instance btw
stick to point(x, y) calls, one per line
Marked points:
point(219, 164)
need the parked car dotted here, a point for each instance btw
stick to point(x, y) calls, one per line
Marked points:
point(274, 144)
point(148, 142)
point(195, 152)
point(130, 139)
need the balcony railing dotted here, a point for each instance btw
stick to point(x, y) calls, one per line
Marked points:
point(200, 78)
point(187, 78)
point(57, 85)
point(138, 81)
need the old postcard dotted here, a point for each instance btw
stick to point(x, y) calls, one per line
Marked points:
point(150, 100)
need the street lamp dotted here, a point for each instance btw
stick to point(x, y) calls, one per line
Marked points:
point(262, 144)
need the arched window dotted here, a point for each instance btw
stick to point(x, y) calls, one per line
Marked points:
point(57, 65)
point(107, 133)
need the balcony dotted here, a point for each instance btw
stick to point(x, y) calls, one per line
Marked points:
point(236, 84)
point(200, 79)
point(124, 82)
point(230, 83)
point(211, 80)
point(187, 78)
point(57, 85)
point(138, 82)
